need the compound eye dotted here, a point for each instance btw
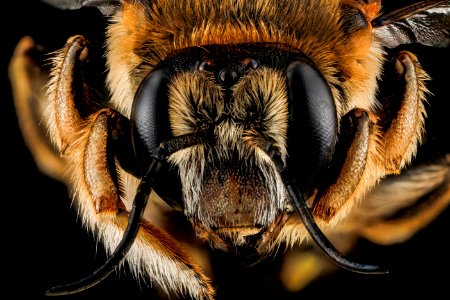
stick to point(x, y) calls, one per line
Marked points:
point(206, 66)
point(150, 116)
point(312, 130)
point(150, 127)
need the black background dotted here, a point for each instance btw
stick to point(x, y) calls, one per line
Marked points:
point(44, 244)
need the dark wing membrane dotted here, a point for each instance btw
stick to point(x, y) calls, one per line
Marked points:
point(426, 23)
point(106, 7)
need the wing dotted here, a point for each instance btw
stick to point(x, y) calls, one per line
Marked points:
point(106, 7)
point(424, 22)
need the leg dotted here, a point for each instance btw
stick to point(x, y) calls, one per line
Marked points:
point(85, 136)
point(355, 174)
point(28, 81)
point(378, 148)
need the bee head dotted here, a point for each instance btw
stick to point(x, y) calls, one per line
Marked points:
point(255, 108)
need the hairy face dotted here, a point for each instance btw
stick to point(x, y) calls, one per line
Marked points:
point(231, 186)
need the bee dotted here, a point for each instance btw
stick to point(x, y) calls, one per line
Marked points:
point(263, 125)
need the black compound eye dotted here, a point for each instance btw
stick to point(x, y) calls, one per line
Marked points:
point(312, 130)
point(150, 116)
point(150, 127)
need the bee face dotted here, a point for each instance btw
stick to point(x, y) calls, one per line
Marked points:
point(230, 186)
point(251, 119)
